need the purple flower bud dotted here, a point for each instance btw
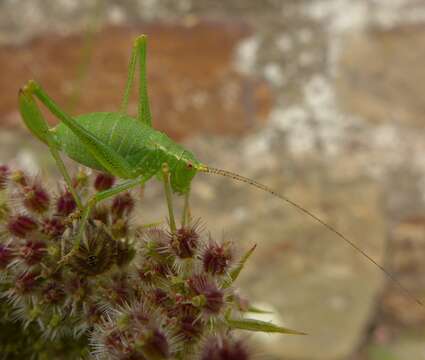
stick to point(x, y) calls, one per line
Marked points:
point(185, 242)
point(214, 297)
point(32, 252)
point(26, 282)
point(103, 182)
point(5, 256)
point(36, 199)
point(53, 227)
point(21, 225)
point(122, 205)
point(216, 258)
point(65, 204)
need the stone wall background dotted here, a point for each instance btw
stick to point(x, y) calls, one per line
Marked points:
point(321, 99)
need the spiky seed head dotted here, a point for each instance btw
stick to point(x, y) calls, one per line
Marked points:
point(212, 298)
point(6, 256)
point(184, 242)
point(103, 182)
point(217, 257)
point(35, 198)
point(4, 176)
point(21, 225)
point(65, 204)
point(31, 252)
point(224, 349)
point(122, 205)
point(96, 253)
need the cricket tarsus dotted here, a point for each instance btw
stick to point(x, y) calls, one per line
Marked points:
point(237, 177)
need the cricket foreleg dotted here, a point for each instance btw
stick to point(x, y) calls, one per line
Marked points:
point(36, 123)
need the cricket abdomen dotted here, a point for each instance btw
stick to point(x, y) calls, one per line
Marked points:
point(107, 127)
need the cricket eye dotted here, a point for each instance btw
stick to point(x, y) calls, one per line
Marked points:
point(189, 165)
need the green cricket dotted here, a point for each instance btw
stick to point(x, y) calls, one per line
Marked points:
point(131, 149)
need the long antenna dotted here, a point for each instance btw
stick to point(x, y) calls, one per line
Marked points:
point(237, 177)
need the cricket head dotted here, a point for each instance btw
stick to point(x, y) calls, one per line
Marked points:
point(186, 168)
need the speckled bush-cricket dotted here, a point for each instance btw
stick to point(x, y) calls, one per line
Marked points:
point(131, 149)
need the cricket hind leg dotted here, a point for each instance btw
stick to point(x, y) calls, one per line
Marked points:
point(36, 123)
point(138, 54)
point(110, 160)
